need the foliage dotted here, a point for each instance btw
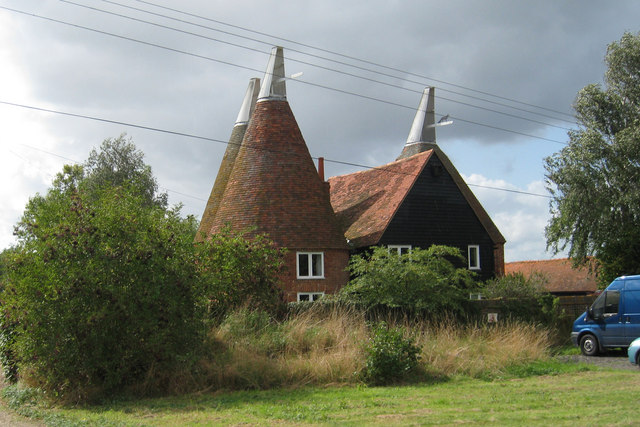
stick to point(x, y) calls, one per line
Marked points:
point(119, 162)
point(236, 271)
point(516, 285)
point(7, 328)
point(523, 298)
point(425, 280)
point(105, 289)
point(390, 356)
point(101, 291)
point(595, 204)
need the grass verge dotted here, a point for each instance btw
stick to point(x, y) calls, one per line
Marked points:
point(541, 400)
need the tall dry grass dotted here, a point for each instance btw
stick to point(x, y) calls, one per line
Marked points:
point(250, 350)
point(319, 347)
point(480, 349)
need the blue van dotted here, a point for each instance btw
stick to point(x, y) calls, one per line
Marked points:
point(613, 320)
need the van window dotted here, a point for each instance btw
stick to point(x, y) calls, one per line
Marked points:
point(606, 304)
point(632, 285)
point(611, 304)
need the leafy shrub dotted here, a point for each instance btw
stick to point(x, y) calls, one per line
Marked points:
point(100, 290)
point(523, 298)
point(235, 271)
point(424, 281)
point(105, 289)
point(516, 285)
point(390, 356)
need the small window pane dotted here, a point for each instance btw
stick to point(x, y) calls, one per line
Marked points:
point(303, 297)
point(474, 257)
point(317, 265)
point(303, 265)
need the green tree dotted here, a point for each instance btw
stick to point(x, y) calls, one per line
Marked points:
point(101, 292)
point(524, 298)
point(105, 289)
point(425, 280)
point(235, 272)
point(595, 206)
point(118, 161)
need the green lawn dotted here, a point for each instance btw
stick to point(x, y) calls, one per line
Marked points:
point(596, 397)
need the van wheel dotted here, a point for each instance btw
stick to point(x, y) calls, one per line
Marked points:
point(589, 345)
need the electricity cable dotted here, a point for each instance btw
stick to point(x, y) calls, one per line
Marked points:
point(317, 65)
point(187, 135)
point(348, 57)
point(260, 71)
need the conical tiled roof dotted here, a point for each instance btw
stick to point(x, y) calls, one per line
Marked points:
point(274, 187)
point(237, 135)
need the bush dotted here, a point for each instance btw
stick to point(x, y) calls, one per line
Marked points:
point(523, 298)
point(100, 289)
point(105, 290)
point(236, 272)
point(390, 356)
point(424, 281)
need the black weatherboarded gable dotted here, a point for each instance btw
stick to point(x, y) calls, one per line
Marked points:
point(436, 212)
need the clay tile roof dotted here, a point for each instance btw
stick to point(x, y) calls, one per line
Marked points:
point(235, 140)
point(366, 201)
point(274, 187)
point(563, 278)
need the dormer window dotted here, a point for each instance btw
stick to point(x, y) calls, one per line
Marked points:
point(310, 265)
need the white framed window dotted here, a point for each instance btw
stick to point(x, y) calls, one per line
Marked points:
point(473, 255)
point(400, 249)
point(310, 265)
point(309, 296)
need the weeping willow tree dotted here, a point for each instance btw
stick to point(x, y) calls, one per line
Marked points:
point(595, 180)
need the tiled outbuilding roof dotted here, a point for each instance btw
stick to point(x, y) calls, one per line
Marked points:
point(366, 201)
point(562, 277)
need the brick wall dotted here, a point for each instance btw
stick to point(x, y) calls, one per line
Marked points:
point(498, 259)
point(336, 275)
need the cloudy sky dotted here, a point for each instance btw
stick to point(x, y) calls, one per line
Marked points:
point(507, 72)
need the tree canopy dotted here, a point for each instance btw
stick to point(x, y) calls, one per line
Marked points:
point(595, 206)
point(117, 162)
point(105, 288)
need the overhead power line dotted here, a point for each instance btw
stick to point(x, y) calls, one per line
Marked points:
point(316, 65)
point(203, 138)
point(346, 92)
point(348, 57)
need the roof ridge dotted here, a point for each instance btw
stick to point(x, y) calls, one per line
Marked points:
point(382, 167)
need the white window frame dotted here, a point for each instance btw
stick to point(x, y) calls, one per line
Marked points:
point(399, 248)
point(476, 264)
point(310, 256)
point(313, 296)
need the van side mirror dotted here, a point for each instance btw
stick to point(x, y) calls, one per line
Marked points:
point(595, 314)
